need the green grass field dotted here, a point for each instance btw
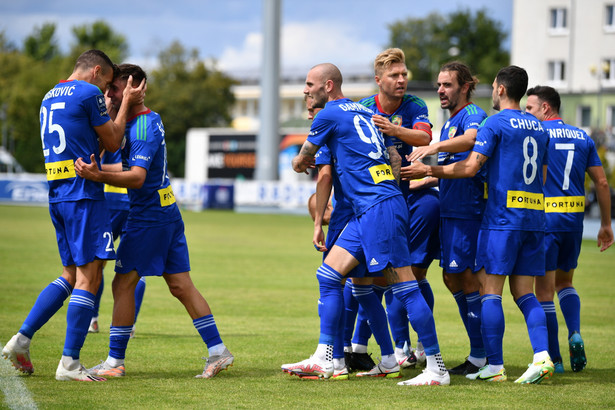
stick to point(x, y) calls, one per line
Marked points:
point(258, 274)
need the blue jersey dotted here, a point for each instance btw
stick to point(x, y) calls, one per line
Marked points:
point(411, 111)
point(153, 203)
point(462, 198)
point(342, 208)
point(571, 152)
point(516, 145)
point(68, 113)
point(361, 159)
point(116, 197)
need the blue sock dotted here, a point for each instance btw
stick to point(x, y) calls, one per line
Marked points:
point(139, 291)
point(49, 301)
point(338, 345)
point(362, 331)
point(351, 306)
point(492, 327)
point(552, 328)
point(398, 320)
point(462, 305)
point(427, 293)
point(536, 322)
point(332, 300)
point(419, 314)
point(206, 326)
point(477, 348)
point(372, 306)
point(78, 316)
point(570, 304)
point(98, 296)
point(118, 341)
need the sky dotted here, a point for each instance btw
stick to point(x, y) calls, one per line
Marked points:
point(348, 33)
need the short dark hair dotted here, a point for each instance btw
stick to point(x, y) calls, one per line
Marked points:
point(514, 79)
point(126, 70)
point(546, 94)
point(464, 75)
point(92, 58)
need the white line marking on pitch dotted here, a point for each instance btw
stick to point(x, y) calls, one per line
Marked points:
point(16, 394)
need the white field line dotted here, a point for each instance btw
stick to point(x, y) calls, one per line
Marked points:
point(16, 394)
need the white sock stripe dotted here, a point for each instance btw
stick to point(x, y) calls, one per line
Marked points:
point(81, 300)
point(567, 292)
point(473, 298)
point(491, 297)
point(63, 285)
point(382, 288)
point(423, 281)
point(120, 331)
point(404, 287)
point(204, 322)
point(329, 274)
point(549, 308)
point(362, 290)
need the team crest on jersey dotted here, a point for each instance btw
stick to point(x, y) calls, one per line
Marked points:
point(451, 132)
point(102, 107)
point(396, 120)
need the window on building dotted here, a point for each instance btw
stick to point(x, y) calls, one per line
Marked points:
point(559, 20)
point(608, 71)
point(584, 116)
point(557, 71)
point(610, 118)
point(609, 17)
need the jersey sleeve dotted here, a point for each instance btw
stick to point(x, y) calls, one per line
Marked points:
point(473, 121)
point(321, 130)
point(323, 156)
point(486, 138)
point(95, 107)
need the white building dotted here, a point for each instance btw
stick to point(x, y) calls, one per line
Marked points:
point(570, 45)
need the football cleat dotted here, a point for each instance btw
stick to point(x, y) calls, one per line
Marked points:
point(18, 355)
point(428, 378)
point(311, 368)
point(464, 369)
point(558, 367)
point(105, 369)
point(215, 364)
point(486, 375)
point(361, 361)
point(421, 358)
point(577, 352)
point(537, 372)
point(80, 374)
point(380, 371)
point(93, 325)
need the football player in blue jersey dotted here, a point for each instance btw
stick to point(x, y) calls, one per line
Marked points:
point(74, 119)
point(462, 202)
point(572, 153)
point(513, 146)
point(118, 204)
point(404, 118)
point(377, 233)
point(153, 243)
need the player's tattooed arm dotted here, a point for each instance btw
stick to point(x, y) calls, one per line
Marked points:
point(395, 160)
point(305, 158)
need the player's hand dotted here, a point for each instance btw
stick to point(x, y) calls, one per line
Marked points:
point(134, 95)
point(605, 238)
point(416, 170)
point(421, 152)
point(88, 171)
point(384, 125)
point(301, 163)
point(319, 239)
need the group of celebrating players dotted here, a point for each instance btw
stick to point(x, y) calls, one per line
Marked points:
point(496, 214)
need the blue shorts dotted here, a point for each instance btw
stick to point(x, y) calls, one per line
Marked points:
point(424, 217)
point(562, 250)
point(379, 236)
point(118, 221)
point(511, 252)
point(154, 250)
point(459, 239)
point(358, 271)
point(83, 231)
